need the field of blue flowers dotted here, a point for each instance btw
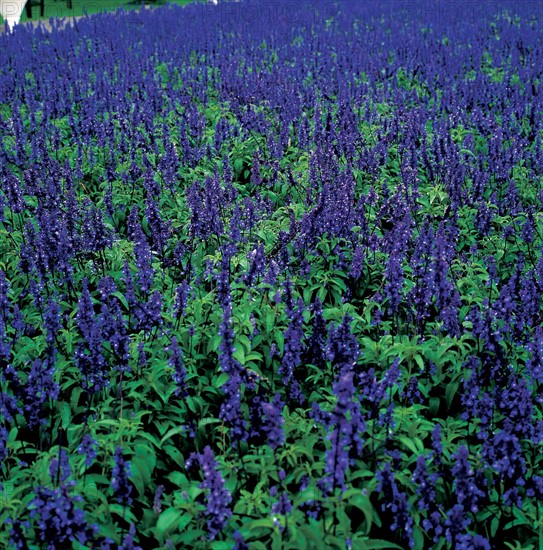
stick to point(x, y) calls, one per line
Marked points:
point(271, 276)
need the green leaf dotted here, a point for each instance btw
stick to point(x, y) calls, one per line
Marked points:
point(419, 360)
point(193, 404)
point(121, 297)
point(213, 343)
point(494, 524)
point(221, 380)
point(418, 537)
point(521, 519)
point(141, 468)
point(239, 355)
point(253, 356)
point(171, 432)
point(266, 523)
point(123, 512)
point(65, 414)
point(189, 537)
point(74, 399)
point(280, 338)
point(364, 505)
point(172, 519)
point(373, 544)
point(238, 166)
point(178, 479)
point(450, 392)
point(414, 445)
point(207, 421)
point(92, 491)
point(175, 455)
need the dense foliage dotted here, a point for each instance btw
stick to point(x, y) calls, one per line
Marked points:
point(271, 276)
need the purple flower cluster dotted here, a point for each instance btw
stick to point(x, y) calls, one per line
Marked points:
point(179, 373)
point(218, 498)
point(292, 357)
point(88, 449)
point(347, 426)
point(54, 515)
point(395, 502)
point(231, 407)
point(122, 490)
point(57, 520)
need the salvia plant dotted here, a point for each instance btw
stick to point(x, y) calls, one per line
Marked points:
point(271, 277)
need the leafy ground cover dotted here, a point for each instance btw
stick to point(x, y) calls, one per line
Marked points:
point(271, 277)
